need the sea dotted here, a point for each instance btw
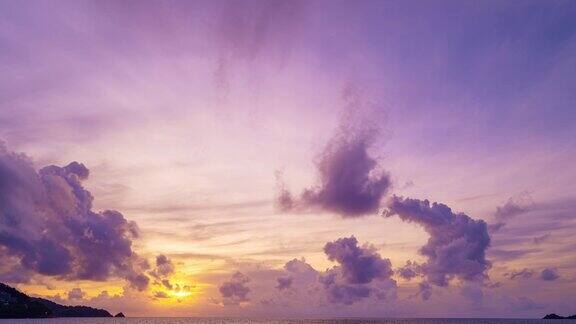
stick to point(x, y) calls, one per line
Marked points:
point(199, 320)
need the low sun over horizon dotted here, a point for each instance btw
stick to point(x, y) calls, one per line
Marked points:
point(290, 158)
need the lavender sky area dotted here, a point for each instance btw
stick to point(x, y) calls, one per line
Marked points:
point(290, 158)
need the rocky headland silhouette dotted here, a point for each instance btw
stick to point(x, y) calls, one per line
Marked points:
point(15, 304)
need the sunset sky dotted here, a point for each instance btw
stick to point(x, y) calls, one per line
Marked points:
point(290, 158)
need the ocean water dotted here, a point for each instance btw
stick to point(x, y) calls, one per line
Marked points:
point(200, 320)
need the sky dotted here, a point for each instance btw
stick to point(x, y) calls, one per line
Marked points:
point(290, 158)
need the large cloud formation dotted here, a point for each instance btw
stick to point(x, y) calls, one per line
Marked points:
point(48, 227)
point(457, 244)
point(350, 183)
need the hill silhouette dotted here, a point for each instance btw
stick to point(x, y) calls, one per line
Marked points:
point(15, 304)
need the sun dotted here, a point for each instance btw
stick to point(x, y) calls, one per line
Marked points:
point(181, 294)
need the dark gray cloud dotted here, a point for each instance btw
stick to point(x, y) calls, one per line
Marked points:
point(549, 274)
point(235, 290)
point(359, 265)
point(457, 243)
point(47, 225)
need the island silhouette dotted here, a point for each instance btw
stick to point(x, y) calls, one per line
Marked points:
point(15, 304)
point(556, 316)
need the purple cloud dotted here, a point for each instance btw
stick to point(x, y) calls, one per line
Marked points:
point(457, 244)
point(284, 283)
point(549, 274)
point(473, 293)
point(235, 290)
point(47, 225)
point(76, 293)
point(346, 294)
point(523, 274)
point(164, 267)
point(359, 265)
point(350, 182)
point(425, 290)
point(513, 207)
point(410, 270)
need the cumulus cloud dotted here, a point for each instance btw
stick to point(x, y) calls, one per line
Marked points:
point(360, 274)
point(357, 268)
point(350, 182)
point(457, 243)
point(235, 290)
point(300, 274)
point(359, 265)
point(48, 227)
point(549, 274)
point(343, 293)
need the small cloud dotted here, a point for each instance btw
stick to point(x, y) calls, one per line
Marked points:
point(409, 271)
point(540, 239)
point(549, 274)
point(235, 290)
point(514, 206)
point(75, 294)
point(161, 294)
point(522, 274)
